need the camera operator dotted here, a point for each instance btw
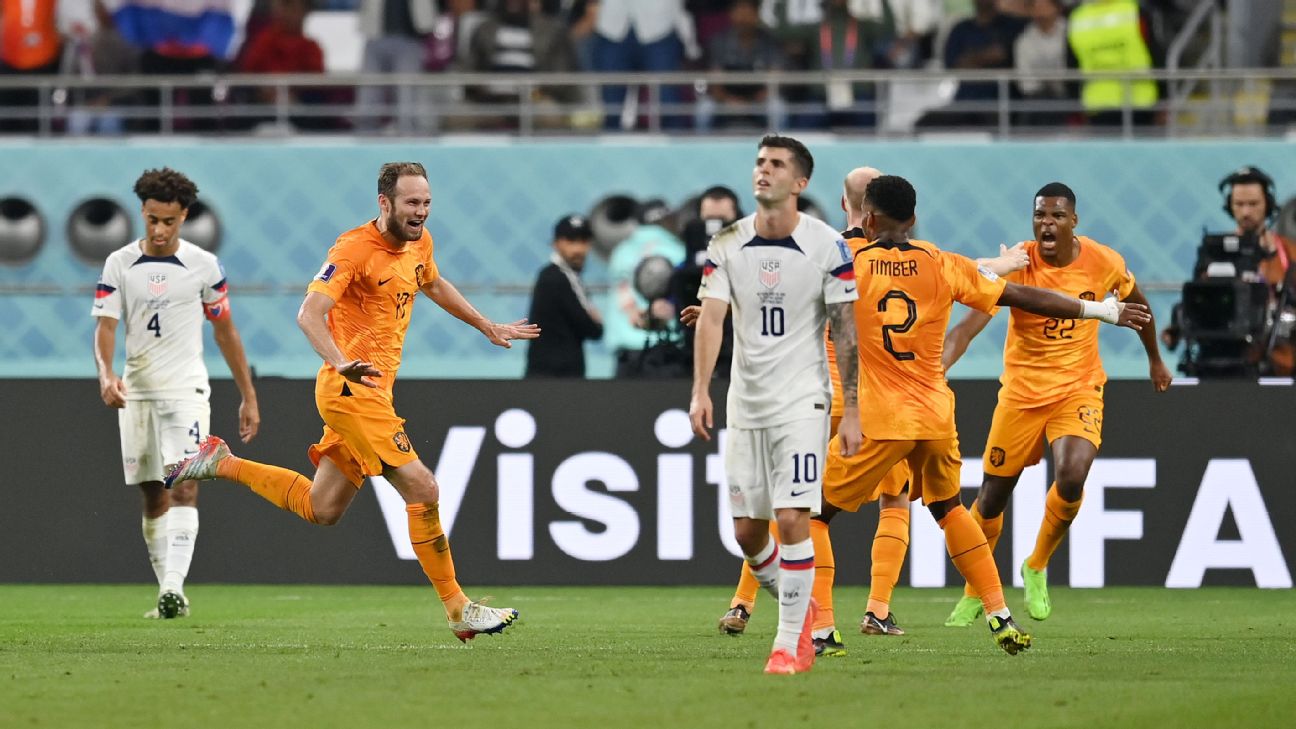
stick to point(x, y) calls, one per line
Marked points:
point(717, 207)
point(1225, 297)
point(636, 320)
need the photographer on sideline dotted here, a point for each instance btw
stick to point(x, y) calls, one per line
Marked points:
point(717, 208)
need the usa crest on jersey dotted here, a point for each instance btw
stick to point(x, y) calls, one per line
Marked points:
point(770, 272)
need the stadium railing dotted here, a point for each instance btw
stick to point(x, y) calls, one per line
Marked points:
point(1199, 103)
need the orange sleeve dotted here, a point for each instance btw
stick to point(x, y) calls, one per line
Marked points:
point(1123, 280)
point(972, 285)
point(345, 261)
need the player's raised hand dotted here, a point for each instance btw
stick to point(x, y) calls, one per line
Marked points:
point(1161, 376)
point(690, 315)
point(501, 334)
point(1015, 258)
point(113, 392)
point(700, 415)
point(359, 372)
point(1132, 315)
point(249, 420)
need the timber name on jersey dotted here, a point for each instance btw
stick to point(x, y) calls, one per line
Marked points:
point(906, 293)
point(162, 301)
point(1046, 359)
point(779, 291)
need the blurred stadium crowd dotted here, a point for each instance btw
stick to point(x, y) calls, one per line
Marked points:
point(1036, 55)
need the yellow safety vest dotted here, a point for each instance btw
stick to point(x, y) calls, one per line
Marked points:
point(1105, 36)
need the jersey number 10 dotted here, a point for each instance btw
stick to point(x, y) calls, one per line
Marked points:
point(772, 321)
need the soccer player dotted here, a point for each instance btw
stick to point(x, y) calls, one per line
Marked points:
point(1052, 387)
point(891, 540)
point(785, 275)
point(162, 286)
point(907, 288)
point(356, 313)
point(892, 537)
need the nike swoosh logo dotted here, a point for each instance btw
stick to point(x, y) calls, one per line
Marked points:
point(800, 493)
point(98, 306)
point(850, 290)
point(380, 283)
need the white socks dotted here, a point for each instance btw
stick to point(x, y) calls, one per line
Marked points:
point(155, 539)
point(765, 567)
point(181, 533)
point(795, 580)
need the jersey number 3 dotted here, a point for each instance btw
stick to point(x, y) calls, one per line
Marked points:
point(911, 316)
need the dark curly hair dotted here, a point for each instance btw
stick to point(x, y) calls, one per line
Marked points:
point(1057, 189)
point(892, 196)
point(166, 186)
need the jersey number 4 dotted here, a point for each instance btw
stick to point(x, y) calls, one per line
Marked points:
point(911, 316)
point(155, 325)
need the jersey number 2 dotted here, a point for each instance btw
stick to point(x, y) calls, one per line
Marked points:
point(911, 316)
point(155, 325)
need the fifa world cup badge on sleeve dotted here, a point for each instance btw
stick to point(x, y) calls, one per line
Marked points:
point(326, 272)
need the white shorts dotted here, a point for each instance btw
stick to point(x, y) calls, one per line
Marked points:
point(779, 467)
point(159, 433)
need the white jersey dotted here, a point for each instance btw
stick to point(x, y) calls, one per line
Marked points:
point(778, 291)
point(162, 301)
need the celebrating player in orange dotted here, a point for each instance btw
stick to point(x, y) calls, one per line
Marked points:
point(907, 288)
point(356, 313)
point(1052, 387)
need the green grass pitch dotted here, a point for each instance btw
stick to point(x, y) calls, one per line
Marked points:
point(290, 656)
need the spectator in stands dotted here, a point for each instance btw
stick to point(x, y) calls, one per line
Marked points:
point(30, 45)
point(745, 46)
point(641, 35)
point(796, 24)
point(282, 46)
point(103, 51)
point(1111, 35)
point(1042, 48)
point(632, 325)
point(518, 40)
point(847, 43)
point(561, 307)
point(916, 23)
point(179, 39)
point(395, 34)
point(451, 33)
point(982, 42)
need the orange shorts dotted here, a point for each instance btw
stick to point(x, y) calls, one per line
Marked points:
point(930, 468)
point(362, 433)
point(1017, 434)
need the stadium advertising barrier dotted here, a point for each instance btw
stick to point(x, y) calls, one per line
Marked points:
point(603, 483)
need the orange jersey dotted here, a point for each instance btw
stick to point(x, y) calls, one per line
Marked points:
point(373, 287)
point(1047, 359)
point(855, 240)
point(906, 292)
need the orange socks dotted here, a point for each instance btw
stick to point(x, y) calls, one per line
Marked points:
point(992, 528)
point(889, 546)
point(284, 488)
point(433, 552)
point(745, 594)
point(971, 555)
point(825, 573)
point(1058, 515)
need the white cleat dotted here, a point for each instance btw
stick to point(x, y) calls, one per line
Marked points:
point(201, 465)
point(478, 618)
